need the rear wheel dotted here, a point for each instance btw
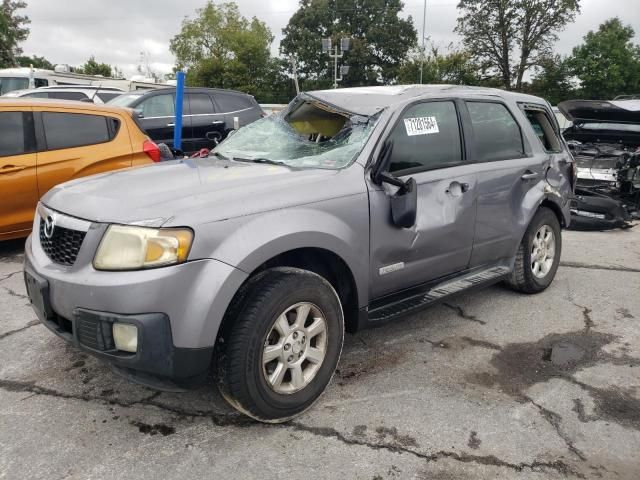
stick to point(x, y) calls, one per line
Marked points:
point(538, 255)
point(283, 346)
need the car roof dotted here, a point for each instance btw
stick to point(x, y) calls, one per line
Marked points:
point(22, 102)
point(87, 89)
point(77, 87)
point(370, 100)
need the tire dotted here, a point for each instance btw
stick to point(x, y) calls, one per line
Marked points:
point(251, 378)
point(526, 277)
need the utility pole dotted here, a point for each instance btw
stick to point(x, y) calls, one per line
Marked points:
point(424, 22)
point(294, 69)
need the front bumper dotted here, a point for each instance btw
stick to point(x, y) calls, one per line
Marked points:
point(177, 309)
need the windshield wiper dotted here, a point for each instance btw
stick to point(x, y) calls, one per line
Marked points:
point(219, 155)
point(261, 160)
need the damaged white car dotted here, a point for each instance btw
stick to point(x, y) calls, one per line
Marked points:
point(605, 142)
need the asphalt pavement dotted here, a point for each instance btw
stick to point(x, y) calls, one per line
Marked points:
point(491, 384)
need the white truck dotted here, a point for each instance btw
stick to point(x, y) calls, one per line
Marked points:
point(26, 77)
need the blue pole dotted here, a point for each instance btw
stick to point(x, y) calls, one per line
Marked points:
point(177, 127)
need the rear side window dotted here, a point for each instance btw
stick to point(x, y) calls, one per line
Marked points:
point(426, 137)
point(157, 106)
point(231, 103)
point(12, 139)
point(201, 104)
point(543, 129)
point(67, 130)
point(37, 95)
point(496, 133)
point(68, 95)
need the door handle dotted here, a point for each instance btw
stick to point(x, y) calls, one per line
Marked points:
point(217, 122)
point(456, 188)
point(11, 168)
point(171, 124)
point(529, 175)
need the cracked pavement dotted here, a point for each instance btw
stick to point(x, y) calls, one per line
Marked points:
point(490, 384)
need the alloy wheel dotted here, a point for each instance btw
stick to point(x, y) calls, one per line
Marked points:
point(543, 251)
point(295, 348)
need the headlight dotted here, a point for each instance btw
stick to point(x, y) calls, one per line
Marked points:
point(133, 248)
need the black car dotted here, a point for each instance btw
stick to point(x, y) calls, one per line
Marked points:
point(208, 114)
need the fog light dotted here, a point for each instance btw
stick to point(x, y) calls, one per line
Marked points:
point(126, 337)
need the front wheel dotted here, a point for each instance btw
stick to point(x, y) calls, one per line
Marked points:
point(283, 346)
point(538, 255)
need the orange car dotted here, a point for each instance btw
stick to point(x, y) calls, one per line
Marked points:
point(47, 142)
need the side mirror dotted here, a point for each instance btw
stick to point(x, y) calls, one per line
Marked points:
point(138, 112)
point(404, 203)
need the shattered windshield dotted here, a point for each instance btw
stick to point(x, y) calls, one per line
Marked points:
point(326, 140)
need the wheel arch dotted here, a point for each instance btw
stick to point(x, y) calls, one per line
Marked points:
point(321, 261)
point(555, 208)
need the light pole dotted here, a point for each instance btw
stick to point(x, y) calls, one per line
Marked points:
point(424, 22)
point(345, 44)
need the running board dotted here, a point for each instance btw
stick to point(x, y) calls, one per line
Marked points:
point(417, 300)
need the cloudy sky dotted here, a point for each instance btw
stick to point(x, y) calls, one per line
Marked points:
point(116, 32)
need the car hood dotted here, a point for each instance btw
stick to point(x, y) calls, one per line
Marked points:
point(616, 111)
point(188, 192)
point(602, 122)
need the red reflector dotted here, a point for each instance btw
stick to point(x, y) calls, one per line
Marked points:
point(152, 150)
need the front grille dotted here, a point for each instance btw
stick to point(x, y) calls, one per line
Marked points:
point(64, 244)
point(94, 333)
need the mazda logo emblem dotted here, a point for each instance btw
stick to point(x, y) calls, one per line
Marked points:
point(49, 226)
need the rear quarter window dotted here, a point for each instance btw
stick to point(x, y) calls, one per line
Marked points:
point(68, 130)
point(106, 96)
point(230, 103)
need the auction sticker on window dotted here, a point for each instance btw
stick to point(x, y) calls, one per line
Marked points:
point(421, 126)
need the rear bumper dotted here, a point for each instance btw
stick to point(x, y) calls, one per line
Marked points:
point(594, 211)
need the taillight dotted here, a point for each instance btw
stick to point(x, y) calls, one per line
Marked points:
point(152, 150)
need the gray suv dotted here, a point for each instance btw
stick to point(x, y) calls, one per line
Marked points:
point(348, 209)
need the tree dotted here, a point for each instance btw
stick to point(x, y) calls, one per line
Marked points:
point(552, 80)
point(93, 67)
point(511, 36)
point(453, 67)
point(35, 61)
point(381, 40)
point(607, 63)
point(221, 48)
point(13, 30)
